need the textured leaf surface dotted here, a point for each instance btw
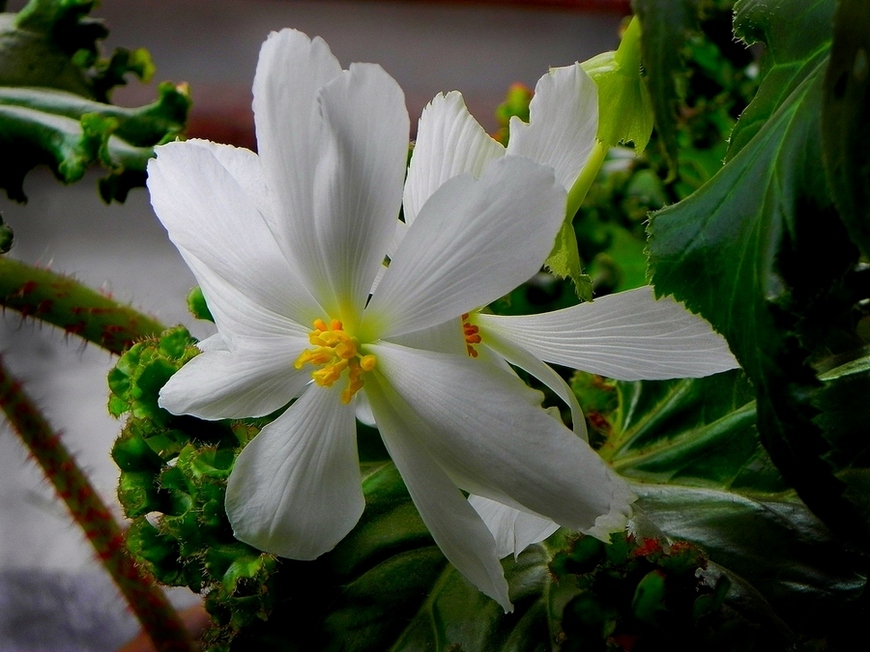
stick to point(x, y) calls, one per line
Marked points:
point(692, 451)
point(624, 104)
point(689, 446)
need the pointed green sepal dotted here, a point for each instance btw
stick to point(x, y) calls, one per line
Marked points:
point(564, 261)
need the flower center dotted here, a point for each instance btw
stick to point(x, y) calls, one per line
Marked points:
point(472, 336)
point(333, 352)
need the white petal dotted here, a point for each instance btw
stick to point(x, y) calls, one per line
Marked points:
point(444, 338)
point(563, 123)
point(213, 343)
point(486, 429)
point(449, 142)
point(358, 184)
point(249, 381)
point(627, 336)
point(399, 231)
point(290, 73)
point(250, 287)
point(524, 360)
point(363, 410)
point(514, 530)
point(379, 277)
point(245, 167)
point(473, 241)
point(398, 235)
point(295, 488)
point(455, 526)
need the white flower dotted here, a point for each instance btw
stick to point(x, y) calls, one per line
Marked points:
point(625, 336)
point(287, 245)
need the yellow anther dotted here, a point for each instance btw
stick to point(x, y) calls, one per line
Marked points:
point(472, 336)
point(334, 351)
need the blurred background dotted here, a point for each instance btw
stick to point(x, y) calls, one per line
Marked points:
point(52, 595)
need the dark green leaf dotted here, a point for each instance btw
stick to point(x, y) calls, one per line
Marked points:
point(387, 586)
point(666, 25)
point(846, 119)
point(844, 415)
point(692, 449)
point(31, 57)
point(797, 36)
point(716, 250)
point(760, 253)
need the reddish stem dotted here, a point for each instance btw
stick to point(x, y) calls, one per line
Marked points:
point(157, 616)
point(66, 303)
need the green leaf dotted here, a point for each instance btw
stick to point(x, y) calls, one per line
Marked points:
point(142, 126)
point(844, 415)
point(760, 253)
point(797, 35)
point(70, 133)
point(693, 453)
point(54, 44)
point(846, 119)
point(717, 249)
point(30, 56)
point(695, 431)
point(622, 266)
point(54, 110)
point(648, 598)
point(429, 606)
point(667, 24)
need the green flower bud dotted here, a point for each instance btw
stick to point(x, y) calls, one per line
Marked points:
point(625, 113)
point(197, 305)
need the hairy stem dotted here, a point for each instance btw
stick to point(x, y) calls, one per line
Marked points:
point(66, 303)
point(155, 613)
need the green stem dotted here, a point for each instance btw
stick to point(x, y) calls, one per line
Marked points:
point(158, 618)
point(581, 186)
point(66, 303)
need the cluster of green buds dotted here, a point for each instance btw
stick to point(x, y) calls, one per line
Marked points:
point(172, 485)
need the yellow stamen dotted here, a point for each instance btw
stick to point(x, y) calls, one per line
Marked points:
point(334, 351)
